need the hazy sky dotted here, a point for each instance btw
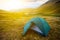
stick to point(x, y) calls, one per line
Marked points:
point(19, 4)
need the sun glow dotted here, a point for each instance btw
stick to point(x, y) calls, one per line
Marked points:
point(19, 4)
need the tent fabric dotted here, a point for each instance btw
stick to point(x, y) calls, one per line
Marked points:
point(40, 23)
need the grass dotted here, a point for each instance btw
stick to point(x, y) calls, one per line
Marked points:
point(11, 27)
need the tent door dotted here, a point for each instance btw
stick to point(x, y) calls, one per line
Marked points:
point(35, 28)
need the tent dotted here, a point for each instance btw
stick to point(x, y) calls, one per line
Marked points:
point(40, 26)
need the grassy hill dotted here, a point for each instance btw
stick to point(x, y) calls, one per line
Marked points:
point(50, 8)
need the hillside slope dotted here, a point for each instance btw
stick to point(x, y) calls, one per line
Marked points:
point(52, 6)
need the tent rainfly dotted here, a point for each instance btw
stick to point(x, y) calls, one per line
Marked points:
point(40, 26)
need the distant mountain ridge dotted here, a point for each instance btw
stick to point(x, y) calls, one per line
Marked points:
point(52, 6)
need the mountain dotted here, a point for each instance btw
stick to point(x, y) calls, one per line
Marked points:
point(52, 6)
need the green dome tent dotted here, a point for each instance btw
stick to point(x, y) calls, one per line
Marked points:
point(40, 26)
